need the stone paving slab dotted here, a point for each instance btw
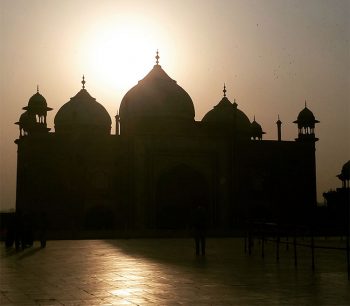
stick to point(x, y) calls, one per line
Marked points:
point(166, 272)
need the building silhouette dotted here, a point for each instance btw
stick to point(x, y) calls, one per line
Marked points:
point(160, 163)
point(338, 201)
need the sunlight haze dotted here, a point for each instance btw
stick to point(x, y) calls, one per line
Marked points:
point(272, 55)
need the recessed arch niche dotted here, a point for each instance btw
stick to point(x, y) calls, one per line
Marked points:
point(179, 191)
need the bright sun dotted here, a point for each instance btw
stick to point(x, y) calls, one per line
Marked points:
point(121, 54)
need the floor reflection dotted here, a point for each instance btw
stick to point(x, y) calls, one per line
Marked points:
point(166, 272)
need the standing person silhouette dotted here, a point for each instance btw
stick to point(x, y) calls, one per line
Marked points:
point(42, 229)
point(200, 226)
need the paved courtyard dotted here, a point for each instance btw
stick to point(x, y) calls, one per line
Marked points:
point(166, 272)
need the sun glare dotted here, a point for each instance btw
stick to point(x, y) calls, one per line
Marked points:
point(120, 55)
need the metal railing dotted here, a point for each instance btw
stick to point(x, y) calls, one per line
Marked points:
point(288, 235)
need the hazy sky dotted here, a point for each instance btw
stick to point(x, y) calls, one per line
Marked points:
point(273, 55)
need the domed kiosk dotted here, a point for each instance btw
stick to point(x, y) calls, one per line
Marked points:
point(33, 120)
point(225, 117)
point(156, 103)
point(37, 105)
point(256, 130)
point(306, 125)
point(83, 114)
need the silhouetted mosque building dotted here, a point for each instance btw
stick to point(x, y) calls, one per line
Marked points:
point(338, 201)
point(160, 163)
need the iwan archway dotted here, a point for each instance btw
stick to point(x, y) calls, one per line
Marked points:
point(179, 191)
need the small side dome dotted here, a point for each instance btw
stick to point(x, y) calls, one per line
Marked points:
point(256, 130)
point(83, 114)
point(225, 116)
point(222, 113)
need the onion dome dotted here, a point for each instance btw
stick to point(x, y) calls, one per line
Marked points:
point(256, 130)
point(83, 114)
point(226, 116)
point(37, 104)
point(306, 125)
point(306, 118)
point(156, 97)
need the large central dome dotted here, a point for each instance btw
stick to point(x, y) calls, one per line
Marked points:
point(156, 96)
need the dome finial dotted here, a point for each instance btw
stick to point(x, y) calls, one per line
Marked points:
point(37, 88)
point(278, 120)
point(224, 90)
point(83, 82)
point(157, 57)
point(234, 103)
point(305, 103)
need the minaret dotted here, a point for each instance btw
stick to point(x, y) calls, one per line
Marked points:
point(306, 125)
point(279, 131)
point(33, 120)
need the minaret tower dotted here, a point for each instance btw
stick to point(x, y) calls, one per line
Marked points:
point(33, 120)
point(306, 125)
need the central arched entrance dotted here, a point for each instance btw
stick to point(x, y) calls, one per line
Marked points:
point(99, 217)
point(179, 191)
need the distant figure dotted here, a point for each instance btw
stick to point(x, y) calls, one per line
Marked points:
point(10, 231)
point(18, 230)
point(42, 229)
point(27, 238)
point(200, 225)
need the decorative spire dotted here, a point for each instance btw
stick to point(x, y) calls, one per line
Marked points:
point(278, 121)
point(279, 129)
point(305, 103)
point(157, 58)
point(37, 88)
point(83, 82)
point(254, 117)
point(224, 90)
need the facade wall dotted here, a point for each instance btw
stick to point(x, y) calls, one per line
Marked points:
point(155, 181)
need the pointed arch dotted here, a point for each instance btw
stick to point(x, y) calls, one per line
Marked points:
point(179, 191)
